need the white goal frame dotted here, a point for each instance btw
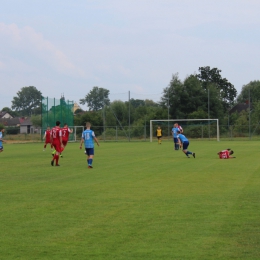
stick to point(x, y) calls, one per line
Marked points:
point(77, 129)
point(180, 120)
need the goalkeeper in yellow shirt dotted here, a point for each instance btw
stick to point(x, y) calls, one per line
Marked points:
point(159, 134)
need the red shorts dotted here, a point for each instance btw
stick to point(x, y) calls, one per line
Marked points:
point(57, 147)
point(47, 141)
point(64, 142)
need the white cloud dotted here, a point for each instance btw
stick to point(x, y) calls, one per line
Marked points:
point(33, 45)
point(128, 45)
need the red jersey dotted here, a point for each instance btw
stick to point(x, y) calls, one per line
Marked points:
point(47, 135)
point(56, 133)
point(65, 133)
point(224, 154)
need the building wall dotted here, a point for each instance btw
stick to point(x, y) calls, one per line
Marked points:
point(23, 129)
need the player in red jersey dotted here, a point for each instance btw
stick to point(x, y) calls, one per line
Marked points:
point(56, 139)
point(179, 127)
point(66, 131)
point(226, 154)
point(47, 137)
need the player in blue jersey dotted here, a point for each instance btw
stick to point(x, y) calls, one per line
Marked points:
point(175, 129)
point(1, 139)
point(185, 144)
point(88, 137)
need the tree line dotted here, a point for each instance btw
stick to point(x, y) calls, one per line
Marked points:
point(199, 96)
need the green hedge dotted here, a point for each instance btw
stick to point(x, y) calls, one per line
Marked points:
point(12, 130)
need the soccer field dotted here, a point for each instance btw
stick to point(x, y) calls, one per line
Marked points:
point(140, 201)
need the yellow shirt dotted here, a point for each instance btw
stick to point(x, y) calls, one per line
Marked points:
point(159, 132)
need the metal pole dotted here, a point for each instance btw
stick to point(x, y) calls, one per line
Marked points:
point(151, 130)
point(168, 116)
point(61, 119)
point(104, 119)
point(129, 116)
point(208, 115)
point(217, 131)
point(249, 127)
point(145, 128)
point(54, 112)
point(47, 109)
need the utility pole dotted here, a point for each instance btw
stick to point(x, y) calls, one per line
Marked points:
point(208, 113)
point(129, 116)
point(104, 119)
point(168, 113)
point(249, 126)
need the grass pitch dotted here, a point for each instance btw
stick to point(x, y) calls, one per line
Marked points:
point(140, 201)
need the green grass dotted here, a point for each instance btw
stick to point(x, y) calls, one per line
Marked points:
point(140, 201)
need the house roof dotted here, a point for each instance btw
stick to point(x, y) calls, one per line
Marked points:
point(10, 121)
point(25, 121)
point(240, 107)
point(16, 121)
point(5, 114)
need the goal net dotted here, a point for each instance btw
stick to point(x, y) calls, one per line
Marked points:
point(192, 128)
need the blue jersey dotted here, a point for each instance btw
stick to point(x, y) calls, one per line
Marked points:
point(182, 138)
point(1, 136)
point(174, 131)
point(88, 136)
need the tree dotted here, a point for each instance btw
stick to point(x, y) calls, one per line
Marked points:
point(137, 102)
point(150, 103)
point(94, 117)
point(173, 96)
point(28, 101)
point(227, 91)
point(36, 120)
point(252, 89)
point(189, 96)
point(241, 124)
point(96, 99)
point(118, 113)
point(77, 111)
point(184, 97)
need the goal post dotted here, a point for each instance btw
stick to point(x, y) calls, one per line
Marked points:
point(202, 122)
point(77, 132)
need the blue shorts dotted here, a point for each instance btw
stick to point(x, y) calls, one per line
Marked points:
point(175, 139)
point(185, 145)
point(1, 148)
point(89, 151)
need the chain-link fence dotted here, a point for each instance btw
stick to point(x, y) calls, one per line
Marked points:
point(56, 109)
point(195, 132)
point(142, 133)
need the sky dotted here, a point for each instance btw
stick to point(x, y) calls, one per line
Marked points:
point(134, 47)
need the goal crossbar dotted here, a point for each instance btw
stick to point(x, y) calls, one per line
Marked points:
point(180, 120)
